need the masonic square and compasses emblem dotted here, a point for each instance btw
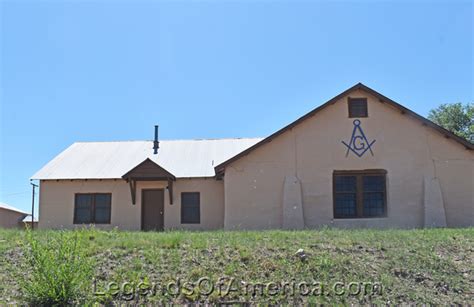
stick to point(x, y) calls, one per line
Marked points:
point(358, 144)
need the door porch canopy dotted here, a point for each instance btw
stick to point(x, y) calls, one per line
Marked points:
point(148, 171)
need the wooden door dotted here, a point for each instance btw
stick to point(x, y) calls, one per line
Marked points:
point(153, 209)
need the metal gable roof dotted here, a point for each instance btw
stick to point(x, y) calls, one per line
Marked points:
point(111, 160)
point(8, 207)
point(28, 218)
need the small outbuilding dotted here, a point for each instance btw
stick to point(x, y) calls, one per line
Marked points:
point(11, 217)
point(29, 222)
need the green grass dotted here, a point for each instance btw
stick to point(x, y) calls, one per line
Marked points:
point(412, 266)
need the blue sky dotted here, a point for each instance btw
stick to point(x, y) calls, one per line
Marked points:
point(104, 70)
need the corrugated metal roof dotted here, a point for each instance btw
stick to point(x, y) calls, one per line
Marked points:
point(28, 219)
point(8, 207)
point(110, 160)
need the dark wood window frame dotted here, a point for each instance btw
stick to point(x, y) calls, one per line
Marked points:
point(359, 192)
point(354, 105)
point(197, 219)
point(92, 209)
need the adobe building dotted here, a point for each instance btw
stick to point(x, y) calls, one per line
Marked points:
point(358, 160)
point(11, 217)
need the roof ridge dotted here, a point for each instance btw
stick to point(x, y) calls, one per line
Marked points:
point(173, 140)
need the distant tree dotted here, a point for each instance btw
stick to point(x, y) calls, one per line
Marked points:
point(455, 117)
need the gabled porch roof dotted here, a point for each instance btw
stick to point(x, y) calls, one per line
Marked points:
point(148, 171)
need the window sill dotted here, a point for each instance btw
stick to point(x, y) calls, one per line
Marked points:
point(92, 223)
point(358, 218)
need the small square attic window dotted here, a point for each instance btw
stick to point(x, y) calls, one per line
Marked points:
point(357, 107)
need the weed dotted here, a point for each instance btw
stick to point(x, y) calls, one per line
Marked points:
point(56, 269)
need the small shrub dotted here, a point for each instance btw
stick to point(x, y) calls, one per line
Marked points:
point(56, 269)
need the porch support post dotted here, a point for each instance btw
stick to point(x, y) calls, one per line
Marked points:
point(170, 190)
point(133, 190)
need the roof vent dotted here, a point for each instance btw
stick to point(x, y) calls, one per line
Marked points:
point(156, 144)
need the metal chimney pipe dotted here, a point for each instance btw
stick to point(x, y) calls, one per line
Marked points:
point(156, 144)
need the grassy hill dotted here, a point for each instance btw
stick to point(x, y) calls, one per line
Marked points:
point(327, 266)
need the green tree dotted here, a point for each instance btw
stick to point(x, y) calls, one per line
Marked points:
point(455, 117)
